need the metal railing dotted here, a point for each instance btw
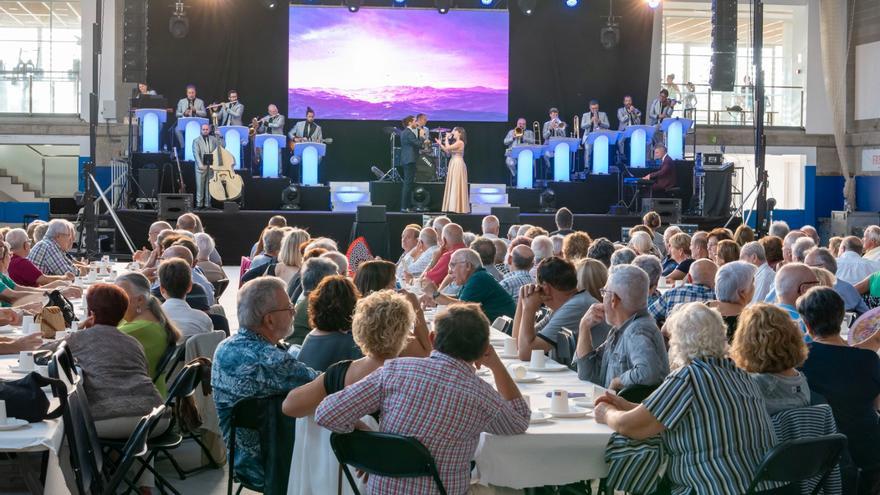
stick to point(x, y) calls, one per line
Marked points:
point(784, 105)
point(39, 92)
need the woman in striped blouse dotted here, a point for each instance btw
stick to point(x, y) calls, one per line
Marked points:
point(710, 415)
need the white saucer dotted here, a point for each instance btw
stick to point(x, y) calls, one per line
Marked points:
point(549, 366)
point(529, 378)
point(539, 417)
point(7, 329)
point(16, 369)
point(508, 356)
point(573, 412)
point(585, 402)
point(13, 424)
point(483, 371)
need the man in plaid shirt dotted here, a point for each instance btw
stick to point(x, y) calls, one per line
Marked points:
point(699, 286)
point(520, 260)
point(439, 400)
point(50, 254)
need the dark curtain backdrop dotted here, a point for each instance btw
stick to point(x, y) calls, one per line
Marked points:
point(555, 60)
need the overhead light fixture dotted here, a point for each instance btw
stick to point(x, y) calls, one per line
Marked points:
point(178, 25)
point(653, 3)
point(609, 36)
point(527, 7)
point(353, 5)
point(443, 6)
point(399, 2)
point(487, 3)
point(571, 3)
point(269, 4)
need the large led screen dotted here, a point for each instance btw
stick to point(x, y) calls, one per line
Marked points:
point(387, 63)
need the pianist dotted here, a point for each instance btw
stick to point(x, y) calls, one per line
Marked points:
point(664, 179)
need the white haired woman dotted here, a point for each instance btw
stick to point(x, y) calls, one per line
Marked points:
point(642, 243)
point(734, 289)
point(213, 272)
point(704, 398)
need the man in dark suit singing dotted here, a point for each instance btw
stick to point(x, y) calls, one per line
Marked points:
point(665, 177)
point(410, 144)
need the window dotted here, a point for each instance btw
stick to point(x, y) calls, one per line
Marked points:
point(40, 49)
point(784, 172)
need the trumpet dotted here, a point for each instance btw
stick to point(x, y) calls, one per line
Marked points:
point(536, 128)
point(557, 124)
point(576, 128)
point(518, 133)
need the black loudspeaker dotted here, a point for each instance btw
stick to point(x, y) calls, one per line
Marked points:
point(669, 209)
point(370, 214)
point(148, 179)
point(134, 41)
point(723, 72)
point(370, 223)
point(172, 206)
point(156, 173)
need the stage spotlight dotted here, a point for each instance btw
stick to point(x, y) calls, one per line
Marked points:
point(269, 4)
point(653, 3)
point(178, 25)
point(609, 37)
point(353, 5)
point(571, 3)
point(527, 7)
point(443, 6)
point(486, 3)
point(290, 198)
point(420, 198)
point(547, 201)
point(399, 2)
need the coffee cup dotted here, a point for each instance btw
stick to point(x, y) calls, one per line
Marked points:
point(26, 360)
point(3, 412)
point(519, 371)
point(538, 358)
point(28, 325)
point(559, 401)
point(510, 347)
point(92, 276)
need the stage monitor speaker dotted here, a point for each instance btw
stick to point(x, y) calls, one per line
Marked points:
point(506, 214)
point(370, 214)
point(134, 41)
point(63, 206)
point(148, 180)
point(171, 206)
point(669, 209)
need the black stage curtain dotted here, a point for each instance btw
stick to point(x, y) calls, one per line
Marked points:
point(555, 60)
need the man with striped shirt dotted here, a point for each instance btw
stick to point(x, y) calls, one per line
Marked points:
point(699, 286)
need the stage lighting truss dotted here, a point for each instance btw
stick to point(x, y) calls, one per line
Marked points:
point(178, 24)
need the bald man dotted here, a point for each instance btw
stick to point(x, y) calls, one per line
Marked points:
point(788, 244)
point(491, 227)
point(519, 262)
point(451, 240)
point(699, 287)
point(792, 281)
point(409, 241)
point(423, 254)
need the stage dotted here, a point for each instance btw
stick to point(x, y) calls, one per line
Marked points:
point(235, 233)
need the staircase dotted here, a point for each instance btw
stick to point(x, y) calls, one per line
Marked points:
point(13, 190)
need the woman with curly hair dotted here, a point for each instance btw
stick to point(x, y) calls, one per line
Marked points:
point(380, 327)
point(575, 246)
point(769, 345)
point(331, 305)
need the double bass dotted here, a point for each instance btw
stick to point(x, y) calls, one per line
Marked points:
point(225, 184)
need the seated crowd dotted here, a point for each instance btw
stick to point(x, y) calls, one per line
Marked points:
point(697, 337)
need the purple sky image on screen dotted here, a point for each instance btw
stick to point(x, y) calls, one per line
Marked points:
point(384, 64)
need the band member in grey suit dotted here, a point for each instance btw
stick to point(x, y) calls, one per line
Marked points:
point(272, 123)
point(189, 107)
point(628, 114)
point(203, 145)
point(424, 132)
point(517, 135)
point(306, 130)
point(410, 144)
point(231, 111)
point(661, 108)
point(552, 128)
point(594, 120)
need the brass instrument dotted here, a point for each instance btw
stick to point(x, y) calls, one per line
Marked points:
point(518, 133)
point(252, 129)
point(536, 128)
point(576, 128)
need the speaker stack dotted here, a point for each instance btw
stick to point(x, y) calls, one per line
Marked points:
point(723, 72)
point(134, 41)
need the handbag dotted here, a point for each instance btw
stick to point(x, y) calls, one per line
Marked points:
point(57, 299)
point(26, 400)
point(51, 320)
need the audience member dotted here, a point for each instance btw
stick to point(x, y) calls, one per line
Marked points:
point(601, 249)
point(558, 241)
point(576, 246)
point(500, 256)
point(520, 261)
point(22, 271)
point(50, 254)
point(725, 252)
point(642, 243)
point(276, 221)
point(715, 236)
point(692, 419)
point(772, 250)
point(264, 316)
point(212, 271)
point(743, 235)
point(271, 246)
point(556, 290)
point(770, 346)
point(623, 256)
point(409, 241)
point(440, 222)
point(564, 222)
point(779, 229)
point(146, 321)
point(800, 248)
point(191, 222)
point(374, 275)
point(653, 221)
point(490, 227)
point(812, 233)
point(450, 241)
point(848, 378)
point(592, 276)
point(651, 265)
point(290, 258)
point(12, 294)
point(834, 244)
point(851, 267)
point(634, 352)
point(476, 285)
point(788, 244)
point(40, 232)
point(822, 258)
point(445, 389)
point(698, 287)
point(339, 259)
point(792, 281)
point(512, 232)
point(753, 253)
point(680, 246)
point(486, 249)
point(314, 271)
point(149, 257)
point(700, 245)
point(331, 306)
point(201, 296)
point(542, 246)
point(422, 255)
point(734, 288)
point(175, 282)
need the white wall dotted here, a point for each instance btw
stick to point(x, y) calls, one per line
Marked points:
point(818, 113)
point(106, 91)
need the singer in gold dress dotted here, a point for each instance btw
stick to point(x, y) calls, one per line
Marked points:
point(455, 197)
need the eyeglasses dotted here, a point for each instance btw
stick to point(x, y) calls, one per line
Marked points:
point(801, 288)
point(290, 308)
point(603, 292)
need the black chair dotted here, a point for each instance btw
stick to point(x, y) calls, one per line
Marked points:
point(185, 384)
point(798, 460)
point(170, 361)
point(220, 287)
point(401, 457)
point(220, 322)
point(134, 448)
point(637, 393)
point(276, 432)
point(86, 458)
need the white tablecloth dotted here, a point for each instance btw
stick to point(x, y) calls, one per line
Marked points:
point(35, 437)
point(556, 453)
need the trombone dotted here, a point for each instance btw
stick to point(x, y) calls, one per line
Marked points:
point(576, 128)
point(536, 128)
